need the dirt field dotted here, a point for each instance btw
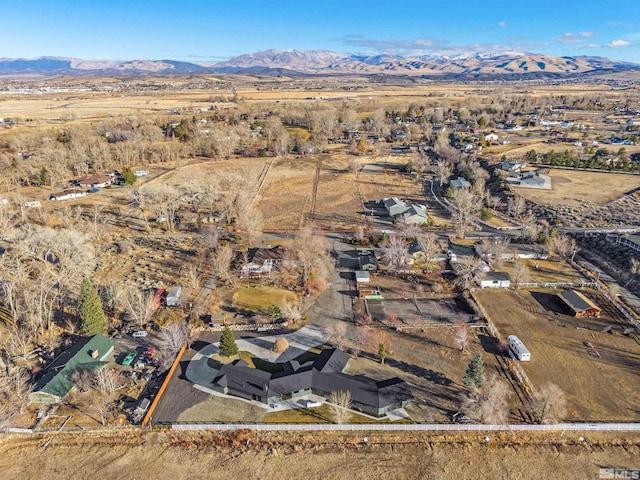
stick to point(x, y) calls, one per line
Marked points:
point(598, 387)
point(137, 455)
point(575, 188)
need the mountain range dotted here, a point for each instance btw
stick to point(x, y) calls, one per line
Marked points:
point(323, 62)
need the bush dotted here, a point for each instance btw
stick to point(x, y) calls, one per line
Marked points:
point(281, 345)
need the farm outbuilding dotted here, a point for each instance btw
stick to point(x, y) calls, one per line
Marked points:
point(495, 280)
point(173, 297)
point(579, 305)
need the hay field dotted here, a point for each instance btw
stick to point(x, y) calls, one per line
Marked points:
point(575, 188)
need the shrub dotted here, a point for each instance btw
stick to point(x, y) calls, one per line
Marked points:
point(281, 345)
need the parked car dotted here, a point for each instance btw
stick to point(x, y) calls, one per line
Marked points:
point(150, 352)
point(128, 359)
point(139, 334)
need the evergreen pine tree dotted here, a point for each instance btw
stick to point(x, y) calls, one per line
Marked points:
point(128, 176)
point(474, 376)
point(228, 346)
point(92, 317)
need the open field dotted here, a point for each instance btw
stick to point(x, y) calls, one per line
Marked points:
point(259, 299)
point(597, 388)
point(575, 188)
point(547, 271)
point(143, 455)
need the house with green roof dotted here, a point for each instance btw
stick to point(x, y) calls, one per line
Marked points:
point(88, 353)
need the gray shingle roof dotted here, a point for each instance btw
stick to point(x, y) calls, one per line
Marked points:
point(323, 374)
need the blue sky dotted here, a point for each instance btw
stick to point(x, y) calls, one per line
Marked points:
point(200, 30)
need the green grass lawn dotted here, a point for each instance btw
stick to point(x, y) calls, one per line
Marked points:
point(259, 299)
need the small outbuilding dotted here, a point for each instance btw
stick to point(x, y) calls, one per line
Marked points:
point(173, 297)
point(579, 305)
point(495, 280)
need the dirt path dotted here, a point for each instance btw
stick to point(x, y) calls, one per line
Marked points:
point(314, 190)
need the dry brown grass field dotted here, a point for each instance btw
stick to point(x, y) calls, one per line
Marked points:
point(142, 455)
point(604, 387)
point(575, 188)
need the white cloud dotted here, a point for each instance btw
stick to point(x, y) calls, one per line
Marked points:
point(618, 44)
point(502, 24)
point(594, 45)
point(570, 38)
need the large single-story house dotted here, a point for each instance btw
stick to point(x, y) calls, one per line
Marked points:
point(394, 206)
point(321, 376)
point(510, 167)
point(494, 280)
point(88, 353)
point(262, 261)
point(459, 183)
point(530, 180)
point(99, 180)
point(415, 215)
point(579, 305)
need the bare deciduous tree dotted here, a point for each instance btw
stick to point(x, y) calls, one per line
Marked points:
point(221, 263)
point(520, 273)
point(467, 271)
point(406, 228)
point(360, 339)
point(394, 252)
point(173, 337)
point(462, 337)
point(490, 403)
point(563, 245)
point(340, 404)
point(549, 405)
point(310, 251)
point(516, 206)
point(108, 380)
point(292, 311)
point(337, 334)
point(443, 172)
point(465, 205)
point(138, 304)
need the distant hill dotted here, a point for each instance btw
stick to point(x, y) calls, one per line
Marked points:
point(323, 62)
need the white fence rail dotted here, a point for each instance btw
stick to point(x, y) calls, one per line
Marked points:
point(418, 427)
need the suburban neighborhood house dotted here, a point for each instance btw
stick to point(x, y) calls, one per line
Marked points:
point(511, 168)
point(262, 261)
point(414, 214)
point(459, 183)
point(319, 377)
point(579, 305)
point(530, 180)
point(394, 206)
point(88, 353)
point(99, 180)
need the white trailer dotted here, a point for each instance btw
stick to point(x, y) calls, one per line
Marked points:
point(173, 297)
point(518, 349)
